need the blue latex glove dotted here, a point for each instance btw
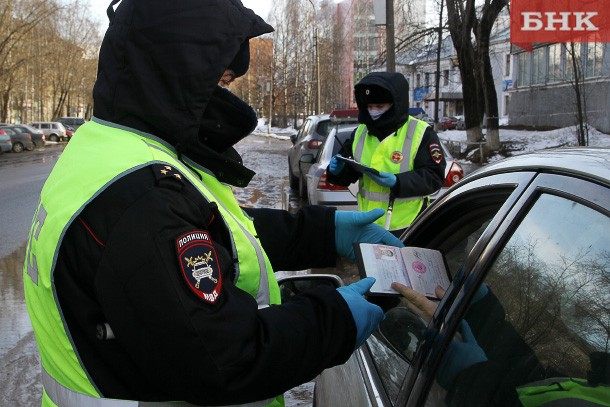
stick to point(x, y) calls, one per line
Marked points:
point(367, 316)
point(460, 356)
point(358, 227)
point(336, 166)
point(385, 179)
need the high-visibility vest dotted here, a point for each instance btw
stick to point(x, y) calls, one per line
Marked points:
point(396, 154)
point(563, 391)
point(96, 156)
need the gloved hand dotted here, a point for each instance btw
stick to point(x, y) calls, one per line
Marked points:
point(385, 179)
point(460, 356)
point(367, 316)
point(336, 166)
point(358, 227)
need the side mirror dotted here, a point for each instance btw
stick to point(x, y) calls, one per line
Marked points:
point(293, 138)
point(292, 286)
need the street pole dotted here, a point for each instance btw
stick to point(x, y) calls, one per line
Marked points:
point(438, 66)
point(315, 45)
point(390, 52)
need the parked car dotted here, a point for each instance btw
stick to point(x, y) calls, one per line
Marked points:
point(5, 142)
point(37, 136)
point(21, 141)
point(428, 120)
point(319, 191)
point(525, 241)
point(447, 123)
point(309, 139)
point(461, 123)
point(69, 131)
point(74, 122)
point(53, 131)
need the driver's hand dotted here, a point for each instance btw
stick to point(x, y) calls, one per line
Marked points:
point(417, 302)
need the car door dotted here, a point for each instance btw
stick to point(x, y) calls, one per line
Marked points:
point(377, 372)
point(297, 149)
point(533, 304)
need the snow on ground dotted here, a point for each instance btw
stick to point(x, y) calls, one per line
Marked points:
point(524, 141)
point(519, 141)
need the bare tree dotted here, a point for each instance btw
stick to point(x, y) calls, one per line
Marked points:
point(470, 27)
point(575, 75)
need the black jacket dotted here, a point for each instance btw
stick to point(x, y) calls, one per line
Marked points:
point(428, 173)
point(118, 263)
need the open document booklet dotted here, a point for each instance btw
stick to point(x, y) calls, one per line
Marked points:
point(418, 268)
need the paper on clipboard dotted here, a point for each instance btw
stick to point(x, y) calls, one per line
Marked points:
point(358, 167)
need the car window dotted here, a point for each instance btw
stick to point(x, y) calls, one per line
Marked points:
point(45, 126)
point(323, 128)
point(540, 323)
point(394, 345)
point(304, 130)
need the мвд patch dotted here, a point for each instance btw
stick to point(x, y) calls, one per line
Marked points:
point(199, 264)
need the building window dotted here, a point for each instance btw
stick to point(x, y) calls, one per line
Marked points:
point(446, 77)
point(572, 55)
point(538, 66)
point(506, 103)
point(524, 69)
point(427, 84)
point(418, 81)
point(555, 63)
point(595, 54)
point(507, 65)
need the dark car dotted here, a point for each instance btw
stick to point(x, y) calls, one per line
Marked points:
point(21, 141)
point(73, 122)
point(309, 139)
point(37, 136)
point(525, 242)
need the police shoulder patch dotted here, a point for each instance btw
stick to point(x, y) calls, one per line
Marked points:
point(435, 152)
point(199, 265)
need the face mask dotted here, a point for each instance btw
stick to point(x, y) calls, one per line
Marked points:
point(376, 113)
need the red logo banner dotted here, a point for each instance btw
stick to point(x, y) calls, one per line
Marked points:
point(534, 21)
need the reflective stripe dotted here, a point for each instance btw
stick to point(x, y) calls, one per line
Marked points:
point(407, 145)
point(360, 145)
point(384, 197)
point(65, 397)
point(263, 295)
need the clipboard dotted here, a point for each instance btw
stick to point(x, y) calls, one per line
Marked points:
point(358, 167)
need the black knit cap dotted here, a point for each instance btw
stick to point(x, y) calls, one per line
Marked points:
point(376, 95)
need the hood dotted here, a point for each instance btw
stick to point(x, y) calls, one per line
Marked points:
point(159, 66)
point(396, 84)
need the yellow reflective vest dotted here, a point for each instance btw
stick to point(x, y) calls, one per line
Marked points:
point(98, 155)
point(396, 154)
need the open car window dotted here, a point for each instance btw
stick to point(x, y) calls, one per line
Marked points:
point(454, 231)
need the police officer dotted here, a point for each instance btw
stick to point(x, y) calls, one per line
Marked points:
point(405, 151)
point(144, 279)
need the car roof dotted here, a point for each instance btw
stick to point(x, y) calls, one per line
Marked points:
point(585, 162)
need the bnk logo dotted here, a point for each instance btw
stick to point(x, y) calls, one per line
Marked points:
point(559, 21)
